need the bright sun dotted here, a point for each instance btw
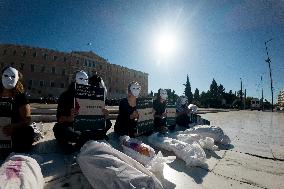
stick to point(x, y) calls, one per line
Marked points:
point(165, 44)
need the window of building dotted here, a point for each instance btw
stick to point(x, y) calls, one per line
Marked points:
point(52, 84)
point(34, 54)
point(86, 62)
point(63, 72)
point(64, 59)
point(53, 70)
point(22, 66)
point(14, 53)
point(54, 58)
point(77, 61)
point(5, 51)
point(110, 89)
point(24, 53)
point(42, 69)
point(62, 85)
point(32, 68)
point(30, 82)
point(94, 65)
point(41, 83)
point(101, 67)
point(45, 56)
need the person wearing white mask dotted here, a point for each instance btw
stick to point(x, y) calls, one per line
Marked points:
point(183, 112)
point(128, 116)
point(20, 131)
point(159, 111)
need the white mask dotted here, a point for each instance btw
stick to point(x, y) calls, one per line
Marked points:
point(82, 78)
point(183, 100)
point(10, 78)
point(135, 89)
point(163, 94)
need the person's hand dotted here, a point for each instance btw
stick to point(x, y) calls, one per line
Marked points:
point(134, 115)
point(105, 112)
point(74, 113)
point(7, 130)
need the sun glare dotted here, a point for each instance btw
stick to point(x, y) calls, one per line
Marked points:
point(165, 44)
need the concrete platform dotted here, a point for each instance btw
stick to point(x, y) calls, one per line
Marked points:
point(254, 160)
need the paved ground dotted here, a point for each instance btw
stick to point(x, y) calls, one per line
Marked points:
point(254, 160)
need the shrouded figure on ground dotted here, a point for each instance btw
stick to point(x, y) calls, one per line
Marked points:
point(128, 116)
point(160, 114)
point(183, 112)
point(66, 112)
point(22, 134)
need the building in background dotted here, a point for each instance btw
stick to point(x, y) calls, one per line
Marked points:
point(49, 72)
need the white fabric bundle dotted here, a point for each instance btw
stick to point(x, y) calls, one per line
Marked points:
point(21, 172)
point(153, 162)
point(106, 167)
point(209, 131)
point(192, 154)
point(205, 142)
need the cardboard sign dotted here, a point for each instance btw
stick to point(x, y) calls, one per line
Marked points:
point(145, 122)
point(5, 119)
point(89, 101)
point(171, 113)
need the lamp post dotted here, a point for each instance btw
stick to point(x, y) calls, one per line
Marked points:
point(268, 60)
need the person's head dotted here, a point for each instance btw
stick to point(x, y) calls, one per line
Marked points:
point(11, 80)
point(134, 89)
point(81, 77)
point(95, 80)
point(162, 94)
point(183, 100)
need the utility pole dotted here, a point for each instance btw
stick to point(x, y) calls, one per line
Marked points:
point(262, 94)
point(241, 94)
point(269, 62)
point(245, 98)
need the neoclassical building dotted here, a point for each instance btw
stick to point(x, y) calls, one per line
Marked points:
point(48, 72)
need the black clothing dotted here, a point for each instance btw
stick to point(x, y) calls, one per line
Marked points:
point(183, 120)
point(19, 101)
point(159, 108)
point(124, 125)
point(64, 132)
point(22, 136)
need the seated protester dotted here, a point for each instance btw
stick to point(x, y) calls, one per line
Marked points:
point(22, 134)
point(128, 116)
point(66, 112)
point(183, 112)
point(97, 81)
point(159, 111)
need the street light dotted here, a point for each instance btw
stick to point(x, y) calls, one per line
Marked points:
point(268, 60)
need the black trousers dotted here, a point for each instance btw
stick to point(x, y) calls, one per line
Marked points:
point(65, 134)
point(22, 139)
point(183, 120)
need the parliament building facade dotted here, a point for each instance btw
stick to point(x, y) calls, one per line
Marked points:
point(49, 72)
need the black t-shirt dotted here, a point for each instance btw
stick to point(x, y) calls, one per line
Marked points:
point(123, 123)
point(159, 107)
point(19, 101)
point(65, 103)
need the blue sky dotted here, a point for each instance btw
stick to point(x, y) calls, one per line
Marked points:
point(215, 39)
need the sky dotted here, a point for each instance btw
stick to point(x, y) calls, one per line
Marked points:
point(218, 39)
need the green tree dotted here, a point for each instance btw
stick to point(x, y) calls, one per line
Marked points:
point(196, 95)
point(187, 90)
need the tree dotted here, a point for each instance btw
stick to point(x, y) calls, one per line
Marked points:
point(196, 95)
point(187, 90)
